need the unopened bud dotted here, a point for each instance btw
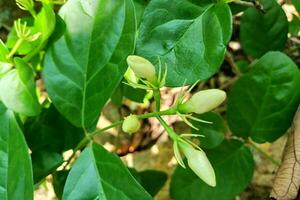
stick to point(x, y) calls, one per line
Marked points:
point(131, 124)
point(199, 163)
point(142, 67)
point(203, 101)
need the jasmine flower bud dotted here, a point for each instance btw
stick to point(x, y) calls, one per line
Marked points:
point(142, 67)
point(199, 163)
point(131, 124)
point(203, 101)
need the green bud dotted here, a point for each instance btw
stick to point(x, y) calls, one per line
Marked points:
point(199, 163)
point(203, 101)
point(142, 67)
point(131, 124)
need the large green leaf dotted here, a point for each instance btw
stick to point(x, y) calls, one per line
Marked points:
point(98, 174)
point(261, 32)
point(213, 133)
point(18, 91)
point(234, 166)
point(51, 132)
point(189, 38)
point(262, 103)
point(15, 166)
point(83, 68)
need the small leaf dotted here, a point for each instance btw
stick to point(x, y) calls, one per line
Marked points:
point(234, 166)
point(190, 39)
point(18, 91)
point(84, 67)
point(287, 180)
point(262, 103)
point(213, 133)
point(98, 174)
point(15, 166)
point(262, 32)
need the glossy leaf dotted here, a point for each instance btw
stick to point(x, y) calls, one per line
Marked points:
point(83, 68)
point(18, 91)
point(234, 166)
point(98, 174)
point(190, 39)
point(15, 166)
point(213, 133)
point(262, 103)
point(262, 32)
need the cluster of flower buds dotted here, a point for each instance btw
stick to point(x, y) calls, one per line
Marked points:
point(201, 102)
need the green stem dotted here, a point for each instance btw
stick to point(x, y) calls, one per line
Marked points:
point(169, 130)
point(259, 150)
point(15, 48)
point(156, 94)
point(89, 136)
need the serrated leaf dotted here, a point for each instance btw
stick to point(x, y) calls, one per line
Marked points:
point(262, 32)
point(190, 39)
point(83, 68)
point(15, 166)
point(98, 174)
point(262, 103)
point(234, 166)
point(18, 91)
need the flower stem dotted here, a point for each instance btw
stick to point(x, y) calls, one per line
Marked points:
point(15, 48)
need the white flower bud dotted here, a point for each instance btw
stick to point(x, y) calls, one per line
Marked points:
point(142, 67)
point(131, 124)
point(203, 101)
point(199, 163)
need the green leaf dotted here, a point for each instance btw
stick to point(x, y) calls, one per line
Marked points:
point(153, 180)
point(262, 32)
point(59, 180)
point(191, 40)
point(213, 133)
point(83, 68)
point(18, 91)
point(296, 4)
point(262, 103)
point(51, 132)
point(234, 166)
point(44, 163)
point(15, 166)
point(98, 174)
point(294, 26)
